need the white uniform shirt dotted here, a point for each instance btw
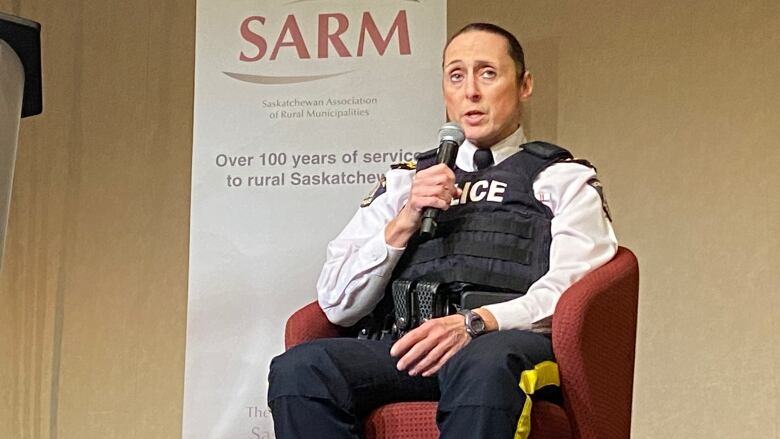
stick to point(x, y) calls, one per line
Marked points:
point(359, 262)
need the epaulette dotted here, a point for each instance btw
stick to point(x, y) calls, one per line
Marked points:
point(408, 165)
point(411, 165)
point(547, 151)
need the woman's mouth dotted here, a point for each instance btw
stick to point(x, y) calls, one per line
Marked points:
point(473, 117)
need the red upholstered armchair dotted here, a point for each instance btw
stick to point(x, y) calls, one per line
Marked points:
point(594, 333)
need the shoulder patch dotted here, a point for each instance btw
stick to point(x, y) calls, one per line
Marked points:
point(596, 184)
point(379, 189)
point(546, 150)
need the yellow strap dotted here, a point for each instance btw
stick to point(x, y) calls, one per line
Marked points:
point(543, 374)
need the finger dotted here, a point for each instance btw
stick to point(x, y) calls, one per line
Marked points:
point(435, 176)
point(421, 340)
point(436, 333)
point(440, 190)
point(432, 186)
point(448, 345)
point(431, 191)
point(416, 353)
point(420, 203)
point(438, 168)
point(406, 342)
point(431, 359)
point(439, 364)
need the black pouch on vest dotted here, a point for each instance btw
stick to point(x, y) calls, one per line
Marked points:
point(403, 306)
point(432, 300)
point(471, 296)
point(475, 299)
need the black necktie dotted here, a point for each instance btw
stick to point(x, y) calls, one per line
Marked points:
point(483, 158)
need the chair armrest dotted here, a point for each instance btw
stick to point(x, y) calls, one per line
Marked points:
point(309, 323)
point(594, 336)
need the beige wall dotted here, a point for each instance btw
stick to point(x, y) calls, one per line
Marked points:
point(676, 102)
point(94, 283)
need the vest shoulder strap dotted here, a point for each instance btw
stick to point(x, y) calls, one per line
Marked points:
point(426, 154)
point(547, 151)
point(426, 159)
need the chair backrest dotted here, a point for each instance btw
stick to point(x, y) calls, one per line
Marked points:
point(594, 337)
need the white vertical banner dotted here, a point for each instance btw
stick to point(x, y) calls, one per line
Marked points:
point(300, 107)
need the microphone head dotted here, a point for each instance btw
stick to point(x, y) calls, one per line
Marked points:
point(453, 132)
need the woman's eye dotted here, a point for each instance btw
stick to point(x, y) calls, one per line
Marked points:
point(488, 74)
point(456, 77)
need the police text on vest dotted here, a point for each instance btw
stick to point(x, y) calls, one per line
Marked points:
point(476, 191)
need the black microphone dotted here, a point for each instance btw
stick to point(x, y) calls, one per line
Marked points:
point(450, 138)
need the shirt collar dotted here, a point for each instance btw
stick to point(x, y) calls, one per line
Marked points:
point(500, 150)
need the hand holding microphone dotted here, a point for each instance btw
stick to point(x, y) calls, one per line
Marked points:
point(451, 136)
point(432, 190)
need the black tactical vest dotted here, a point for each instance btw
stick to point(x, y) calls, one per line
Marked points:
point(496, 236)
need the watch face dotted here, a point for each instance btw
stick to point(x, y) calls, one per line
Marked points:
point(478, 325)
point(474, 324)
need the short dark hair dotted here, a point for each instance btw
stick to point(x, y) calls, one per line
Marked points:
point(513, 45)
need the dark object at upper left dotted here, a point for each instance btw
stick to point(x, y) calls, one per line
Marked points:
point(24, 36)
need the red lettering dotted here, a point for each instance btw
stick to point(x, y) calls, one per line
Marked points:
point(291, 27)
point(290, 36)
point(253, 38)
point(369, 26)
point(324, 35)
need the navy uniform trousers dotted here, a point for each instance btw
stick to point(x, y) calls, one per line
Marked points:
point(323, 389)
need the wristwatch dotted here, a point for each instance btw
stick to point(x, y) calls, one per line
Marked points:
point(475, 326)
